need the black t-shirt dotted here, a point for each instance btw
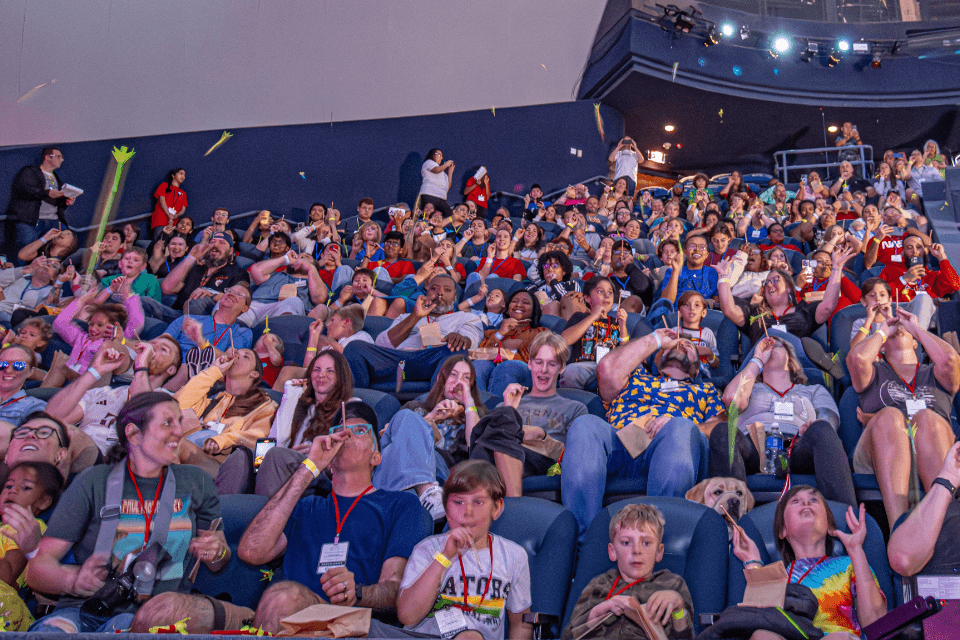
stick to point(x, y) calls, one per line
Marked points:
point(635, 282)
point(946, 552)
point(221, 280)
point(605, 332)
point(801, 322)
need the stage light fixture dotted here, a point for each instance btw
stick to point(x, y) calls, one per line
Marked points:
point(780, 44)
point(832, 128)
point(808, 54)
point(712, 38)
point(833, 59)
point(726, 29)
point(744, 32)
point(669, 128)
point(843, 46)
point(682, 23)
point(876, 58)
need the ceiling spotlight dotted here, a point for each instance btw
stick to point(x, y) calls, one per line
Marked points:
point(669, 128)
point(712, 38)
point(780, 45)
point(812, 49)
point(682, 23)
point(744, 32)
point(832, 128)
point(843, 46)
point(726, 29)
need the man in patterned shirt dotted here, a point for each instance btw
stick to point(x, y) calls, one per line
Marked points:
point(657, 427)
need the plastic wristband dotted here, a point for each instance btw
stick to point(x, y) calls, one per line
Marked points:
point(882, 333)
point(308, 463)
point(759, 364)
point(286, 259)
point(31, 555)
point(498, 336)
point(624, 338)
point(203, 345)
point(474, 409)
point(96, 374)
point(747, 563)
point(311, 349)
point(864, 329)
point(443, 560)
point(678, 615)
point(659, 341)
point(139, 369)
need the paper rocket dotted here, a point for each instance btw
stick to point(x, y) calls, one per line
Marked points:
point(596, 113)
point(675, 65)
point(226, 136)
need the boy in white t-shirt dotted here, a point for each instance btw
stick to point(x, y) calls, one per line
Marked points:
point(432, 598)
point(693, 309)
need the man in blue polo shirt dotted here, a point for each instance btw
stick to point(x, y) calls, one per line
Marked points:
point(693, 275)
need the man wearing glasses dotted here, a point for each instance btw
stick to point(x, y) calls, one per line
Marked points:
point(39, 439)
point(37, 201)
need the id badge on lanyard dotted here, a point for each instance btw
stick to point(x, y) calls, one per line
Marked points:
point(332, 555)
point(914, 405)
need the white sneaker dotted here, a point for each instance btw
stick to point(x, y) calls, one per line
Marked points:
point(432, 501)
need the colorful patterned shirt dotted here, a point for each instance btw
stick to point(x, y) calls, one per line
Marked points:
point(657, 396)
point(833, 583)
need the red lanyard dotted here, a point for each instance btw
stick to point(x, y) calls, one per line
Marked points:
point(609, 330)
point(800, 581)
point(778, 393)
point(616, 582)
point(153, 509)
point(336, 507)
point(776, 317)
point(907, 384)
point(12, 400)
point(466, 606)
point(217, 340)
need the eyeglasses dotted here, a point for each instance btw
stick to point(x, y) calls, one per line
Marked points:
point(18, 365)
point(356, 429)
point(40, 432)
point(392, 243)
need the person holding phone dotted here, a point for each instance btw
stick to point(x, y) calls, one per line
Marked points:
point(849, 137)
point(912, 277)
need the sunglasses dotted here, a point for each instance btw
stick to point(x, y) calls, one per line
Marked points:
point(18, 365)
point(40, 432)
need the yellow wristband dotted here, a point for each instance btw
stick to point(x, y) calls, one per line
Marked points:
point(624, 338)
point(678, 615)
point(203, 345)
point(882, 333)
point(308, 463)
point(474, 409)
point(443, 560)
point(311, 348)
point(864, 329)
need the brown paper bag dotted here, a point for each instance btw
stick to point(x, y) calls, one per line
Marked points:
point(430, 335)
point(548, 446)
point(635, 440)
point(287, 291)
point(766, 586)
point(327, 621)
point(639, 615)
point(490, 353)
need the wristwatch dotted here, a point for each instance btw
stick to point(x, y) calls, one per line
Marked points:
point(358, 589)
point(943, 482)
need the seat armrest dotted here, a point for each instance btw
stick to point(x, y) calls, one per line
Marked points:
point(539, 622)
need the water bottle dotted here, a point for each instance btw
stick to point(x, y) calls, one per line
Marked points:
point(773, 448)
point(145, 575)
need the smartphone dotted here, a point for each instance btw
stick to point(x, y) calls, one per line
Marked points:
point(915, 260)
point(263, 445)
point(803, 179)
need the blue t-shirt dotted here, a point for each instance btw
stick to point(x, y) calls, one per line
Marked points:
point(19, 406)
point(754, 236)
point(384, 524)
point(242, 336)
point(702, 280)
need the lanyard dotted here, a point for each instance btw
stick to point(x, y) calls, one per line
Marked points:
point(12, 400)
point(616, 582)
point(217, 340)
point(153, 509)
point(27, 289)
point(623, 285)
point(493, 270)
point(465, 606)
point(816, 286)
point(777, 392)
point(776, 317)
point(907, 384)
point(609, 330)
point(336, 507)
point(800, 581)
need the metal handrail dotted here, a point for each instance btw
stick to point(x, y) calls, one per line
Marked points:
point(143, 216)
point(865, 162)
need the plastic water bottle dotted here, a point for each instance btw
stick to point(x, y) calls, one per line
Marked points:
point(773, 448)
point(145, 575)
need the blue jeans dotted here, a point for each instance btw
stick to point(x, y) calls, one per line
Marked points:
point(674, 461)
point(154, 309)
point(496, 378)
point(18, 235)
point(409, 456)
point(370, 363)
point(83, 623)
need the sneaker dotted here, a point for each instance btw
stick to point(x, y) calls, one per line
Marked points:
point(814, 351)
point(432, 501)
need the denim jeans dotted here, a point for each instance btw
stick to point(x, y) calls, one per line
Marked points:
point(154, 309)
point(371, 363)
point(675, 460)
point(496, 378)
point(82, 622)
point(408, 454)
point(18, 235)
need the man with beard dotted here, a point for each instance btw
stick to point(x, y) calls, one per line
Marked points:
point(285, 285)
point(690, 274)
point(423, 339)
point(656, 424)
point(93, 405)
point(629, 283)
point(204, 274)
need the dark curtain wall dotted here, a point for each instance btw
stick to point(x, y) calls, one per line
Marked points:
point(259, 168)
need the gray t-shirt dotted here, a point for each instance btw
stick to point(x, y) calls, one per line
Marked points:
point(269, 291)
point(810, 402)
point(77, 516)
point(553, 414)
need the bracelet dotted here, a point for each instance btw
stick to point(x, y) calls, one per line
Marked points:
point(139, 369)
point(309, 349)
point(442, 559)
point(286, 259)
point(678, 615)
point(747, 563)
point(204, 345)
point(757, 362)
point(946, 484)
point(864, 329)
point(33, 554)
point(308, 463)
point(96, 374)
point(223, 554)
point(474, 409)
point(882, 333)
point(498, 336)
point(624, 338)
point(659, 341)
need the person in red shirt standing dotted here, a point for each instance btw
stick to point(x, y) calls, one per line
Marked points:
point(912, 280)
point(477, 191)
point(171, 201)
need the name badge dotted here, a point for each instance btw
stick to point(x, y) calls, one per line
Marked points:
point(914, 405)
point(668, 385)
point(430, 335)
point(216, 426)
point(779, 327)
point(332, 555)
point(450, 621)
point(624, 293)
point(783, 410)
point(896, 258)
point(601, 352)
